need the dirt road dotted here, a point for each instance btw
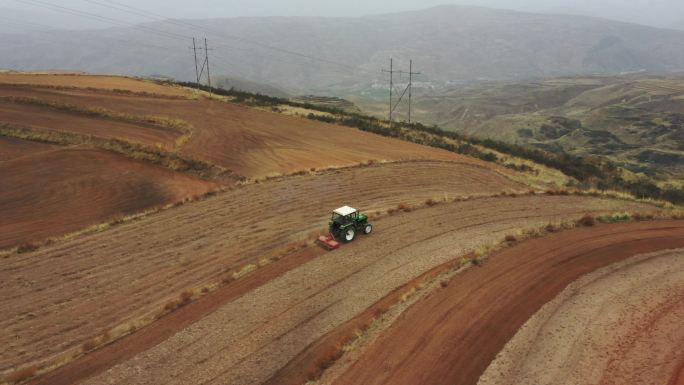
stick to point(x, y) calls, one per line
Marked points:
point(247, 340)
point(454, 334)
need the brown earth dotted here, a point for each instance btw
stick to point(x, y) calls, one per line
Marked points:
point(621, 324)
point(42, 117)
point(103, 82)
point(250, 142)
point(12, 148)
point(678, 379)
point(454, 334)
point(247, 141)
point(249, 339)
point(193, 245)
point(58, 191)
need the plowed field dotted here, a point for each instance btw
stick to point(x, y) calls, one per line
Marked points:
point(249, 339)
point(248, 141)
point(63, 190)
point(455, 333)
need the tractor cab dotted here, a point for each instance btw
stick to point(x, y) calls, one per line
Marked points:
point(346, 222)
point(344, 215)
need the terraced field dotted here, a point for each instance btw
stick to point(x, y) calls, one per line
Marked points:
point(54, 193)
point(93, 82)
point(250, 142)
point(279, 318)
point(229, 289)
point(51, 191)
point(627, 332)
point(194, 245)
point(620, 324)
point(41, 118)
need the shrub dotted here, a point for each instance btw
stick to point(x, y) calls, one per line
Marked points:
point(550, 227)
point(510, 238)
point(27, 247)
point(586, 221)
point(171, 305)
point(404, 207)
point(227, 279)
point(430, 202)
point(186, 296)
point(118, 219)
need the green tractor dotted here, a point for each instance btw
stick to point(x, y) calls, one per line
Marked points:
point(344, 224)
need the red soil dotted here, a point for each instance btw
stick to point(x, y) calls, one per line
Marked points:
point(678, 378)
point(103, 82)
point(452, 335)
point(11, 148)
point(59, 191)
point(138, 267)
point(43, 117)
point(245, 140)
point(248, 339)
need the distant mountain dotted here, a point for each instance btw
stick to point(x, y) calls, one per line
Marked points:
point(447, 44)
point(637, 121)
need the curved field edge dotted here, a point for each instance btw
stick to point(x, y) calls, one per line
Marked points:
point(311, 364)
point(461, 294)
point(347, 256)
point(53, 192)
point(209, 241)
point(621, 323)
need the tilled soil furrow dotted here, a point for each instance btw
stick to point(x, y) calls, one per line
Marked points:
point(192, 245)
point(450, 330)
point(269, 331)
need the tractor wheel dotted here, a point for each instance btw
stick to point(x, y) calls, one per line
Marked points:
point(348, 234)
point(368, 228)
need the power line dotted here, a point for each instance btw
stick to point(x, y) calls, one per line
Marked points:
point(391, 87)
point(158, 17)
point(206, 58)
point(93, 16)
point(409, 88)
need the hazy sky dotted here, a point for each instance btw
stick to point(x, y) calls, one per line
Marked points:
point(662, 13)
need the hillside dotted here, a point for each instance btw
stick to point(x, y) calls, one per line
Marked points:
point(448, 44)
point(81, 150)
point(635, 121)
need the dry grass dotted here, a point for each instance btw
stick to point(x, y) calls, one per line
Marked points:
point(96, 342)
point(163, 122)
point(153, 155)
point(116, 91)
